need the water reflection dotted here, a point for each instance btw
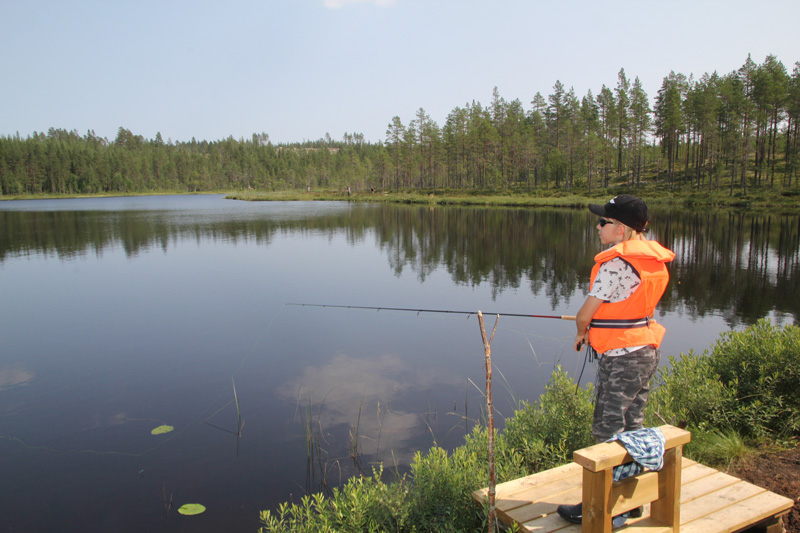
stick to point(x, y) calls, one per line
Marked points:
point(361, 402)
point(737, 265)
point(14, 376)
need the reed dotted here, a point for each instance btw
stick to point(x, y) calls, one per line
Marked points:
point(355, 453)
point(239, 418)
point(318, 466)
point(168, 504)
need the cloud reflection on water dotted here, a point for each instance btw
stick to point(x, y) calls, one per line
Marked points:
point(358, 392)
point(14, 376)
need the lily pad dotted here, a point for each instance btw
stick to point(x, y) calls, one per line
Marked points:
point(191, 508)
point(161, 429)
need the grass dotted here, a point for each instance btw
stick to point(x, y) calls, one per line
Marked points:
point(720, 448)
point(487, 199)
point(682, 195)
point(760, 199)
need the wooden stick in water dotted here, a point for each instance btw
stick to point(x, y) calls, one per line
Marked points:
point(487, 350)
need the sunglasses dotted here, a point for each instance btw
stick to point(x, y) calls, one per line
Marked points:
point(603, 222)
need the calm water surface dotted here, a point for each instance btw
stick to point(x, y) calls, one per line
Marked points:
point(123, 314)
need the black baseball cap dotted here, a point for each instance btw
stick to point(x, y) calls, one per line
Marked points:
point(628, 209)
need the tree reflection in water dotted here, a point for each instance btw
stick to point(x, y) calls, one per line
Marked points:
point(741, 266)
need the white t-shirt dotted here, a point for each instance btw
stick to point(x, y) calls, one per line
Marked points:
point(616, 281)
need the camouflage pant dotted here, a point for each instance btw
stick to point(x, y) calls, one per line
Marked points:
point(623, 385)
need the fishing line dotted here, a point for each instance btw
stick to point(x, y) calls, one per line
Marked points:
point(589, 355)
point(445, 311)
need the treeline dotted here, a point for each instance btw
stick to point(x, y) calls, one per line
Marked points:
point(722, 132)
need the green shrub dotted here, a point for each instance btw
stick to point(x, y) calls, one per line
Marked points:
point(363, 504)
point(761, 366)
point(688, 391)
point(747, 383)
point(441, 498)
point(548, 431)
point(441, 493)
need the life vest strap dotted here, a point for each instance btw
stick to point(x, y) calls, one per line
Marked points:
point(620, 323)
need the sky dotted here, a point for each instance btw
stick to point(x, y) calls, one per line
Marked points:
point(300, 69)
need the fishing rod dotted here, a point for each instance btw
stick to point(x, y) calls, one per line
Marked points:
point(418, 311)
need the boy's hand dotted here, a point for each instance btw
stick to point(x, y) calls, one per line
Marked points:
point(580, 340)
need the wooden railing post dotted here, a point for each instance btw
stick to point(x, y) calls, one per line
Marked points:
point(602, 499)
point(667, 509)
point(596, 491)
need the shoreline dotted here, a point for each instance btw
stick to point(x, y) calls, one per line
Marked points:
point(754, 202)
point(781, 203)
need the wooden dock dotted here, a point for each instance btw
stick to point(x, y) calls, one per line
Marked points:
point(710, 502)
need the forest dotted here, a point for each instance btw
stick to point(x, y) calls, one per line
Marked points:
point(727, 133)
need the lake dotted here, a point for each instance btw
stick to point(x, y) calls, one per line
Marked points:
point(121, 315)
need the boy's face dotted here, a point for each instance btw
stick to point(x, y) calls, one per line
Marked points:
point(610, 231)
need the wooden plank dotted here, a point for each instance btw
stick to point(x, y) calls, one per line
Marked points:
point(741, 514)
point(545, 506)
point(602, 456)
point(712, 502)
point(554, 491)
point(544, 491)
point(550, 524)
point(540, 478)
point(632, 492)
point(695, 471)
point(510, 488)
point(609, 454)
point(647, 525)
point(706, 485)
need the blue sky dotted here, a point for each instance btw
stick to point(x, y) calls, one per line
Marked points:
point(298, 69)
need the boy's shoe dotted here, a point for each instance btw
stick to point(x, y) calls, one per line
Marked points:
point(571, 513)
point(619, 520)
point(574, 514)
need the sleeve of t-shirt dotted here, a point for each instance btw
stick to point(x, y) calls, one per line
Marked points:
point(616, 280)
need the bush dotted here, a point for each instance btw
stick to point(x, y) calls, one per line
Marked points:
point(761, 366)
point(363, 504)
point(548, 431)
point(747, 383)
point(441, 497)
point(687, 391)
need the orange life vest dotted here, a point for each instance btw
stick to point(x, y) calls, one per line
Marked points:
point(628, 323)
